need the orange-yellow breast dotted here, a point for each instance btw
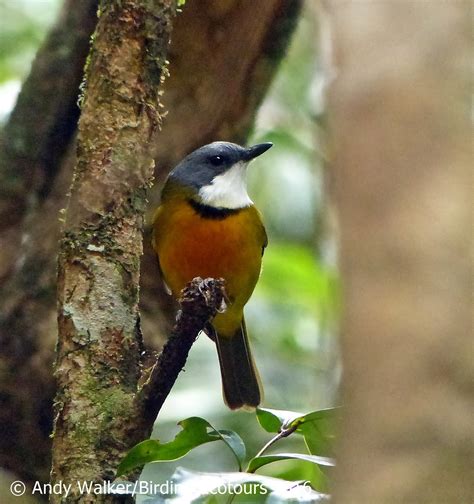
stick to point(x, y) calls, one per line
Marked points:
point(189, 245)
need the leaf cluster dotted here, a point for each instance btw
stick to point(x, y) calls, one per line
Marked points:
point(315, 427)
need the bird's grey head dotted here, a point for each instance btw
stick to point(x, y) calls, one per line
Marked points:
point(216, 173)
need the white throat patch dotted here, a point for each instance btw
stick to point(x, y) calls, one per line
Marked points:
point(228, 190)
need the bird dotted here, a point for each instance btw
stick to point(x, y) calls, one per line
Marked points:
point(207, 226)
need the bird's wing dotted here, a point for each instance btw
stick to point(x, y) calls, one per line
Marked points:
point(165, 285)
point(265, 239)
point(153, 243)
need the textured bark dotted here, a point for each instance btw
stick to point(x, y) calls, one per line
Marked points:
point(100, 343)
point(401, 134)
point(28, 291)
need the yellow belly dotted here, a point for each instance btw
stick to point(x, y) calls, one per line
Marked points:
point(189, 245)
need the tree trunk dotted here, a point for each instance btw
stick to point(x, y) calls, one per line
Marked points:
point(400, 128)
point(100, 344)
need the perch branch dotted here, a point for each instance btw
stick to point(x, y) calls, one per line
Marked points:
point(200, 300)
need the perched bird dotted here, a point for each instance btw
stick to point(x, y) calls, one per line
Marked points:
point(207, 226)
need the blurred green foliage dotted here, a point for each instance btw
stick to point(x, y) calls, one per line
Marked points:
point(293, 269)
point(23, 25)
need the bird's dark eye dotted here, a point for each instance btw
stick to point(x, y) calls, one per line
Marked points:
point(217, 160)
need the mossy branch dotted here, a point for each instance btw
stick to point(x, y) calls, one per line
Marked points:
point(99, 343)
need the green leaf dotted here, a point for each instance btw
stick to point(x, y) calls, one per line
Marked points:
point(318, 436)
point(197, 487)
point(235, 443)
point(195, 432)
point(257, 462)
point(316, 427)
point(328, 413)
point(294, 470)
point(272, 420)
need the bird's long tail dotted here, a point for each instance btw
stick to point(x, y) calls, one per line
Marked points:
point(241, 386)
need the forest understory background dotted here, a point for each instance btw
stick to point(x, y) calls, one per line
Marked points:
point(397, 126)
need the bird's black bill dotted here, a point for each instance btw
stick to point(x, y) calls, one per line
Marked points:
point(257, 150)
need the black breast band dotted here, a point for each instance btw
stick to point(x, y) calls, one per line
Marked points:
point(210, 212)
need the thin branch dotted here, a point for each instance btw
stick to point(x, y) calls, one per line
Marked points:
point(200, 301)
point(282, 434)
